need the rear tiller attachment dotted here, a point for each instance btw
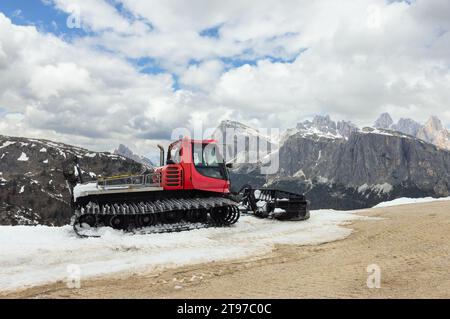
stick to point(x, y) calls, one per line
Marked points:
point(274, 203)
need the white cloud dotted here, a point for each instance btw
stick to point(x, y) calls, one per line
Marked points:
point(362, 58)
point(202, 76)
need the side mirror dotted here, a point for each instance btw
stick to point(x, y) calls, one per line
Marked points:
point(229, 165)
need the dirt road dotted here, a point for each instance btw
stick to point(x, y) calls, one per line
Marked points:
point(410, 244)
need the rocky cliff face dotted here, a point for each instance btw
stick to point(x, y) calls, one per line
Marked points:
point(371, 166)
point(32, 187)
point(435, 133)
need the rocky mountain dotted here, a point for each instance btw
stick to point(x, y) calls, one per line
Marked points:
point(243, 144)
point(432, 131)
point(124, 151)
point(435, 133)
point(32, 187)
point(323, 126)
point(384, 121)
point(367, 167)
point(407, 126)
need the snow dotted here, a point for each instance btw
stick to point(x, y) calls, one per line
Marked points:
point(299, 173)
point(22, 189)
point(406, 200)
point(310, 132)
point(385, 188)
point(41, 254)
point(370, 130)
point(23, 157)
point(92, 175)
point(6, 144)
point(43, 150)
point(261, 204)
point(81, 189)
point(91, 155)
point(323, 180)
point(363, 188)
point(45, 162)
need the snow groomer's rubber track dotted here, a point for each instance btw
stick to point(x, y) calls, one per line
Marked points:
point(159, 216)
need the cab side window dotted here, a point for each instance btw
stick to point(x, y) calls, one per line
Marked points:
point(175, 153)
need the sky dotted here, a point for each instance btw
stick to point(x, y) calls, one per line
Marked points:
point(96, 73)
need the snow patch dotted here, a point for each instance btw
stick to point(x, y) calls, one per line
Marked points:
point(45, 162)
point(363, 188)
point(37, 255)
point(81, 189)
point(323, 180)
point(91, 155)
point(385, 188)
point(406, 200)
point(22, 189)
point(23, 157)
point(300, 173)
point(6, 144)
point(43, 150)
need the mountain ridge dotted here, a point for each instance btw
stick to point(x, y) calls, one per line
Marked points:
point(431, 131)
point(125, 151)
point(32, 187)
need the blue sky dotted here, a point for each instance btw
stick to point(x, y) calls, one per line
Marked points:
point(44, 16)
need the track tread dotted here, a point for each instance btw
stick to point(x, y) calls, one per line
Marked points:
point(222, 212)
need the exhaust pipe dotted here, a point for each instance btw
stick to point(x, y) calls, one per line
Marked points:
point(161, 155)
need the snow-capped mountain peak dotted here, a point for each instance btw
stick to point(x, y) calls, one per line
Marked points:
point(125, 151)
point(323, 126)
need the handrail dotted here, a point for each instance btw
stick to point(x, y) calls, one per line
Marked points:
point(146, 180)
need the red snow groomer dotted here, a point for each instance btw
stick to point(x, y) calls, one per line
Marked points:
point(190, 189)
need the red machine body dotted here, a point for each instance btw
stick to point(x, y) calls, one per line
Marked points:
point(194, 165)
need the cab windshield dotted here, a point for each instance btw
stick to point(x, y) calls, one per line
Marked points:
point(208, 161)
